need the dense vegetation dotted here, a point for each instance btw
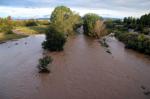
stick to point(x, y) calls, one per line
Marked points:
point(65, 19)
point(6, 25)
point(134, 41)
point(132, 32)
point(93, 25)
point(6, 30)
point(113, 25)
point(31, 22)
point(141, 24)
point(55, 39)
point(63, 23)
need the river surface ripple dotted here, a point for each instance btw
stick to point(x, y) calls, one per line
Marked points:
point(84, 70)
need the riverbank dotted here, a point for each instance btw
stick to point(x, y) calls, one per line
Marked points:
point(6, 37)
point(23, 31)
point(135, 41)
point(30, 30)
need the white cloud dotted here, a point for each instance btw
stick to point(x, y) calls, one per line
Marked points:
point(40, 12)
point(25, 12)
point(110, 13)
point(114, 8)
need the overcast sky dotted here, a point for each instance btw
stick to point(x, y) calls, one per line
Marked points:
point(105, 8)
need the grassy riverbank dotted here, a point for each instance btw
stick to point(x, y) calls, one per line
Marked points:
point(30, 30)
point(138, 42)
point(14, 29)
point(5, 37)
point(23, 31)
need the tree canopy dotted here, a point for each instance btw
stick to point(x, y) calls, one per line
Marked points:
point(93, 25)
point(55, 39)
point(141, 24)
point(63, 22)
point(6, 25)
point(65, 19)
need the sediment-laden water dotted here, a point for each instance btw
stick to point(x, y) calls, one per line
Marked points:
point(84, 70)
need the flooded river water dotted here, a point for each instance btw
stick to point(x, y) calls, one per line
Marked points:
point(84, 70)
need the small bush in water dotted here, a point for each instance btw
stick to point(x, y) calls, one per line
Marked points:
point(43, 64)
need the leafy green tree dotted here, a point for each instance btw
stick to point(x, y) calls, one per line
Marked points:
point(63, 23)
point(130, 22)
point(141, 24)
point(93, 25)
point(55, 39)
point(65, 19)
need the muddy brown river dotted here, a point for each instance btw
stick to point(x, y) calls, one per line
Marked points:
point(84, 70)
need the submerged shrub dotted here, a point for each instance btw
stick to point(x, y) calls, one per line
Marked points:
point(55, 39)
point(43, 64)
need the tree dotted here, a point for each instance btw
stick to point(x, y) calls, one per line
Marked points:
point(99, 29)
point(63, 23)
point(65, 19)
point(6, 25)
point(55, 39)
point(93, 25)
point(140, 24)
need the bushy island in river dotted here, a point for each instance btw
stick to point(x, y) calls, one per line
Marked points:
point(94, 26)
point(64, 23)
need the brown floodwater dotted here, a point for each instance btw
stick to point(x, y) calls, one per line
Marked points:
point(84, 70)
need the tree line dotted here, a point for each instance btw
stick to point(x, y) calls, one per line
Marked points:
point(138, 39)
point(6, 25)
point(141, 24)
